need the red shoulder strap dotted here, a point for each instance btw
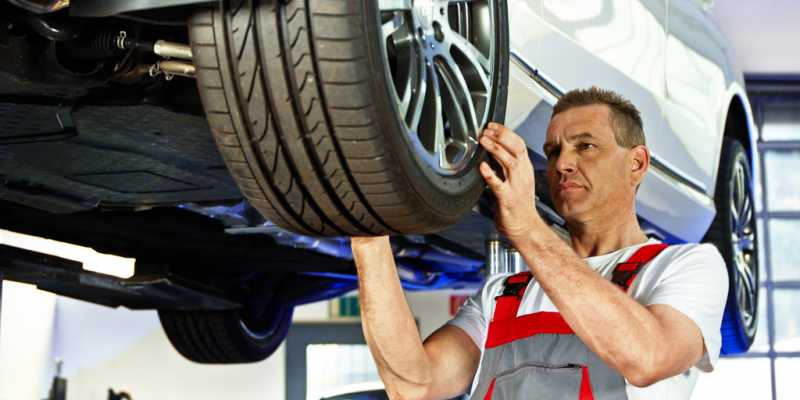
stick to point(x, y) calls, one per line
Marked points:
point(507, 303)
point(625, 272)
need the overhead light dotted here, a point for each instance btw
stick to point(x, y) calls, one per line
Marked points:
point(100, 263)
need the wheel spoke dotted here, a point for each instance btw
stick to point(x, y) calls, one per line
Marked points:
point(740, 190)
point(747, 282)
point(457, 85)
point(394, 5)
point(392, 26)
point(460, 122)
point(414, 114)
point(439, 145)
point(747, 211)
point(472, 53)
point(431, 112)
point(734, 211)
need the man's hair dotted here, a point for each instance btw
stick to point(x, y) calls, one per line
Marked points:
point(625, 119)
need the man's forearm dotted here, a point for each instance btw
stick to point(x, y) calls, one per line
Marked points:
point(388, 324)
point(613, 325)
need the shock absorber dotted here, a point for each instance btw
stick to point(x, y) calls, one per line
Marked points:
point(160, 47)
point(171, 50)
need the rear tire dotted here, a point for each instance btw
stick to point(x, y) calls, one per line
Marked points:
point(229, 336)
point(733, 232)
point(302, 99)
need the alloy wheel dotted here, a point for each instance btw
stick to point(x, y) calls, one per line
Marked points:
point(440, 56)
point(743, 238)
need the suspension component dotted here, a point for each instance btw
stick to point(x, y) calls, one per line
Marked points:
point(160, 47)
point(170, 68)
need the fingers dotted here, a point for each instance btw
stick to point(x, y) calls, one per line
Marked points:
point(506, 160)
point(492, 180)
point(506, 146)
point(507, 138)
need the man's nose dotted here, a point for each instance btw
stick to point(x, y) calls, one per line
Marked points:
point(565, 163)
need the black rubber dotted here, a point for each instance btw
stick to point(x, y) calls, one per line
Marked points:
point(735, 336)
point(220, 337)
point(299, 105)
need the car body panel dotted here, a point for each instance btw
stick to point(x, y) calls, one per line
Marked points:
point(667, 57)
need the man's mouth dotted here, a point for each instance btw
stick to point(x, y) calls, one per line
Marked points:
point(568, 186)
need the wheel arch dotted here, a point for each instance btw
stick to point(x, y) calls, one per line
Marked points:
point(739, 124)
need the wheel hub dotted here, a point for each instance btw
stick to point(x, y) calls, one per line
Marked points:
point(424, 12)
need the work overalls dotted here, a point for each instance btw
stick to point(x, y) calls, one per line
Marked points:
point(538, 356)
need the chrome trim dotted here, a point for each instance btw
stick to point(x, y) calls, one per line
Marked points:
point(537, 77)
point(677, 175)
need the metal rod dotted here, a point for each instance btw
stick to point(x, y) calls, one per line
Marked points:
point(496, 259)
point(174, 50)
point(515, 261)
point(182, 68)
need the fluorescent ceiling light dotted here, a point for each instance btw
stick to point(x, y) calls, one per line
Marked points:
point(106, 264)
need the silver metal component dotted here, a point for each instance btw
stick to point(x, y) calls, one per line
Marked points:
point(514, 261)
point(41, 6)
point(173, 67)
point(121, 39)
point(496, 258)
point(440, 55)
point(172, 50)
point(154, 71)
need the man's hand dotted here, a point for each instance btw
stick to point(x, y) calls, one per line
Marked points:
point(516, 209)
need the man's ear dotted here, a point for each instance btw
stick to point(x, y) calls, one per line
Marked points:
point(639, 163)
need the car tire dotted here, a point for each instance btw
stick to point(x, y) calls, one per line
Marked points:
point(228, 336)
point(733, 232)
point(329, 131)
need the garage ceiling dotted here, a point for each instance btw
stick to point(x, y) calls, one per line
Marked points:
point(763, 34)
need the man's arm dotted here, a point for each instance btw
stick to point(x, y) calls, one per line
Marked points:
point(441, 367)
point(645, 344)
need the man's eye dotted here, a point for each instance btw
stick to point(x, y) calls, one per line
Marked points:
point(586, 146)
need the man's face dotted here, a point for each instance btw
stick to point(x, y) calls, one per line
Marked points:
point(588, 173)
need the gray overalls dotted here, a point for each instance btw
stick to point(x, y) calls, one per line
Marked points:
point(539, 356)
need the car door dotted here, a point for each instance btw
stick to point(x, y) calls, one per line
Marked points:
point(616, 44)
point(697, 73)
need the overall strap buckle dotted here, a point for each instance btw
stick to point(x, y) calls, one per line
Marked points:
point(515, 285)
point(625, 272)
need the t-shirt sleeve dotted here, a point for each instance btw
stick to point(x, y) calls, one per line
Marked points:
point(470, 318)
point(696, 284)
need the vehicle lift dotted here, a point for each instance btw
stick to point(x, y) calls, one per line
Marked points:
point(68, 278)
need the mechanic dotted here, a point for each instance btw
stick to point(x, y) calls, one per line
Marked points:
point(609, 315)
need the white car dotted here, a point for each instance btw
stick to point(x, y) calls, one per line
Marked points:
point(337, 118)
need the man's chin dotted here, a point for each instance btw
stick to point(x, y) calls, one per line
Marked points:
point(569, 208)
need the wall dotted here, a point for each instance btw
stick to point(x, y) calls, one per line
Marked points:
point(26, 328)
point(763, 34)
